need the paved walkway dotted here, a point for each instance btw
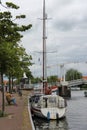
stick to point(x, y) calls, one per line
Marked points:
point(17, 116)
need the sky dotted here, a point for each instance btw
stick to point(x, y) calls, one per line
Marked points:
point(66, 31)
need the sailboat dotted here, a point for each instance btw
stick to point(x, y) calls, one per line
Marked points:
point(47, 104)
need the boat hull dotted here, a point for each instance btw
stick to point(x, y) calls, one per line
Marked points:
point(49, 106)
point(49, 113)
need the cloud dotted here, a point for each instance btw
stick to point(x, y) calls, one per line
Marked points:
point(66, 31)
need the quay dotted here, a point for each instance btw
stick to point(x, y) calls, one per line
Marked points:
point(17, 117)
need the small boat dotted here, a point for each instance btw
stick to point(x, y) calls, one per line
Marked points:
point(48, 106)
point(85, 93)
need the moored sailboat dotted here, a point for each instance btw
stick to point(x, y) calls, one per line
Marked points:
point(48, 104)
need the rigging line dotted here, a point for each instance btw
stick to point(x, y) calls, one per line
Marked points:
point(45, 52)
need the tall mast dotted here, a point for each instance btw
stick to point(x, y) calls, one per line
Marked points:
point(44, 47)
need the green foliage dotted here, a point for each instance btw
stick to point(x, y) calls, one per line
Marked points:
point(73, 74)
point(14, 60)
point(35, 80)
point(3, 114)
point(11, 5)
point(20, 16)
point(52, 79)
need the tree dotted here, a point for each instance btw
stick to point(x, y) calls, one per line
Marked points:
point(36, 80)
point(11, 53)
point(51, 79)
point(73, 74)
point(10, 50)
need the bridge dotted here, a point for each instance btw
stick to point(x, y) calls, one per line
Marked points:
point(73, 83)
point(67, 86)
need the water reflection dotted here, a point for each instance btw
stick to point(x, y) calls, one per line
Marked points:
point(76, 115)
point(41, 124)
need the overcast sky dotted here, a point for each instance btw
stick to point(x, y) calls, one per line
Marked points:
point(66, 30)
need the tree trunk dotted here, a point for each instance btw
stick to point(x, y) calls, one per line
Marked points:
point(3, 102)
point(12, 83)
point(9, 84)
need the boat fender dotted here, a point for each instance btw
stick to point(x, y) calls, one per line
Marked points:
point(57, 117)
point(48, 115)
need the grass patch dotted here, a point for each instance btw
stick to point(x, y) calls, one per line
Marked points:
point(3, 114)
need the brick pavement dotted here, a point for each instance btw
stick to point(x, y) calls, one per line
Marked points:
point(17, 116)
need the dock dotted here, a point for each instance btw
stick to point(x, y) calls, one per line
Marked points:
point(16, 117)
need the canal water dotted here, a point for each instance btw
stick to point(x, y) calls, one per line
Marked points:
point(76, 115)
